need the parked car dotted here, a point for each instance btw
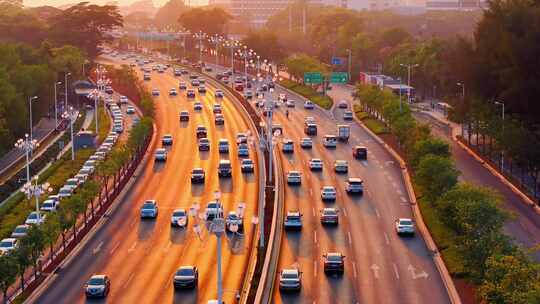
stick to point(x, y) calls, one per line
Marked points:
point(7, 245)
point(49, 205)
point(35, 218)
point(20, 231)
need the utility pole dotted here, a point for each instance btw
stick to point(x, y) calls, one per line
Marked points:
point(409, 67)
point(30, 99)
point(349, 61)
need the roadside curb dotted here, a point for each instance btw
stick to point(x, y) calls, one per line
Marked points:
point(524, 198)
point(432, 247)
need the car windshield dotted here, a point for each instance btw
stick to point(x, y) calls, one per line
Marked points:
point(212, 206)
point(20, 229)
point(5, 244)
point(33, 216)
point(184, 272)
point(47, 204)
point(406, 222)
point(148, 206)
point(293, 217)
point(247, 162)
point(289, 276)
point(334, 258)
point(179, 213)
point(96, 281)
point(329, 212)
point(233, 216)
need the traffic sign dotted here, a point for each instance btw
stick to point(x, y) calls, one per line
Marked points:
point(312, 78)
point(338, 77)
point(337, 61)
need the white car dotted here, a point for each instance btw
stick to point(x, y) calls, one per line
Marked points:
point(130, 110)
point(341, 166)
point(287, 146)
point(315, 164)
point(306, 143)
point(173, 92)
point(179, 218)
point(308, 105)
point(20, 231)
point(247, 165)
point(293, 221)
point(161, 155)
point(328, 193)
point(8, 244)
point(290, 279)
point(294, 177)
point(155, 92)
point(72, 182)
point(404, 226)
point(65, 192)
point(49, 205)
point(347, 115)
point(35, 218)
point(122, 99)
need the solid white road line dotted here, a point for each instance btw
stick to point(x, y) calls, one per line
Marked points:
point(315, 237)
point(114, 248)
point(377, 213)
point(386, 238)
point(350, 239)
point(396, 271)
point(354, 269)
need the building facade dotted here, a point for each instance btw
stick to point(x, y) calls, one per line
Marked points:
point(448, 5)
point(258, 11)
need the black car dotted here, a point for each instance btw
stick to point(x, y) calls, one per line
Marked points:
point(334, 262)
point(186, 277)
point(190, 93)
point(271, 85)
point(197, 175)
point(97, 287)
point(204, 144)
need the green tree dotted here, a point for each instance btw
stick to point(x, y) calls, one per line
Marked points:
point(511, 279)
point(431, 145)
point(168, 14)
point(266, 44)
point(86, 26)
point(34, 242)
point(472, 210)
point(210, 21)
point(435, 175)
point(299, 64)
point(8, 272)
point(68, 58)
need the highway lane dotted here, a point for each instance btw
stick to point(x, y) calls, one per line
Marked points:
point(141, 256)
point(380, 266)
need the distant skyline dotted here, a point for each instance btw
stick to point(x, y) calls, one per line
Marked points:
point(157, 3)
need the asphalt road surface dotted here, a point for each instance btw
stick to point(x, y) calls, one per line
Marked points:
point(141, 256)
point(380, 267)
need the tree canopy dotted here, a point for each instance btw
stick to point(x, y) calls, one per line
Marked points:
point(208, 20)
point(86, 26)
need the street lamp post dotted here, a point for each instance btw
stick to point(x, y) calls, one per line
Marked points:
point(200, 36)
point(501, 103)
point(56, 104)
point(232, 44)
point(30, 99)
point(217, 227)
point(400, 106)
point(27, 145)
point(217, 40)
point(66, 90)
point(462, 85)
point(349, 63)
point(409, 67)
point(36, 190)
point(71, 115)
point(95, 95)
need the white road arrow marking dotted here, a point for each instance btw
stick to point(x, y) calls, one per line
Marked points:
point(415, 275)
point(98, 248)
point(375, 269)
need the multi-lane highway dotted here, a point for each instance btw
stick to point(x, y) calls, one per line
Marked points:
point(380, 267)
point(141, 256)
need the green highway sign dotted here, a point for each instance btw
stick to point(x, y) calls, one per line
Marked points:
point(338, 77)
point(313, 78)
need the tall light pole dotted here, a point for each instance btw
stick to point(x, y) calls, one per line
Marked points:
point(33, 189)
point(400, 106)
point(71, 115)
point(30, 99)
point(501, 103)
point(409, 67)
point(349, 63)
point(232, 44)
point(27, 145)
point(95, 94)
point(462, 85)
point(200, 36)
point(217, 227)
point(66, 90)
point(217, 40)
point(56, 104)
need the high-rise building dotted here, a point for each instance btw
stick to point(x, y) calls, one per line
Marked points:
point(379, 5)
point(258, 11)
point(446, 5)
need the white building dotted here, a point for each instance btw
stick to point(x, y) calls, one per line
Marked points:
point(258, 11)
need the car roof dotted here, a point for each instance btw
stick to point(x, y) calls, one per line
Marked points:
point(153, 201)
point(224, 161)
point(329, 187)
point(355, 180)
point(293, 213)
point(186, 267)
point(334, 254)
point(330, 209)
point(12, 240)
point(294, 172)
point(341, 161)
point(290, 271)
point(404, 219)
point(99, 276)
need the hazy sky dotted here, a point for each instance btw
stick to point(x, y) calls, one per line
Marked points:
point(122, 2)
